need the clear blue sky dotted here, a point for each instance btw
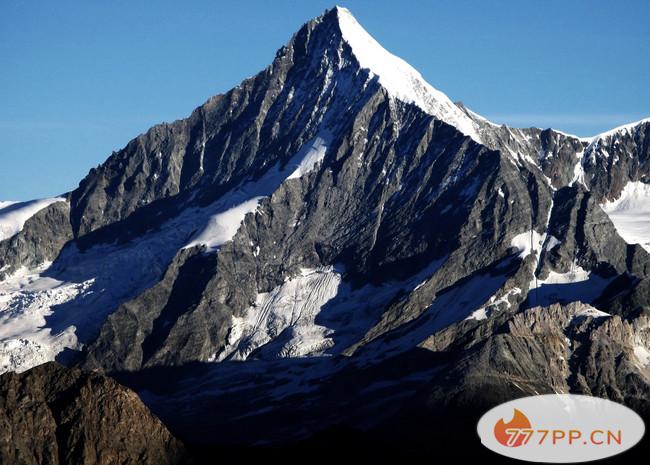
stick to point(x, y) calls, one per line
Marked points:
point(80, 79)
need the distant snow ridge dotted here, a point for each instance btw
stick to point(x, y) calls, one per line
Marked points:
point(400, 79)
point(13, 215)
point(6, 203)
point(618, 130)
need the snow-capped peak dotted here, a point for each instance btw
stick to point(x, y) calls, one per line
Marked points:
point(399, 78)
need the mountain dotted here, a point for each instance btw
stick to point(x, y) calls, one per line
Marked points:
point(57, 416)
point(335, 243)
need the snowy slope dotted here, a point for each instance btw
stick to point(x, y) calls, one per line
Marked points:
point(630, 214)
point(6, 203)
point(400, 79)
point(313, 313)
point(290, 309)
point(59, 306)
point(14, 214)
point(232, 207)
point(26, 299)
point(527, 242)
point(44, 311)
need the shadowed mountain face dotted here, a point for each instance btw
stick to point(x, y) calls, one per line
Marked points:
point(334, 242)
point(58, 416)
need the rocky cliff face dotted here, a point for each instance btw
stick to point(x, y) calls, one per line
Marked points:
point(58, 416)
point(41, 239)
point(396, 191)
point(616, 157)
point(560, 348)
point(335, 235)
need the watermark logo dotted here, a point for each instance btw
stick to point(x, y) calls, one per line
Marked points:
point(513, 433)
point(560, 428)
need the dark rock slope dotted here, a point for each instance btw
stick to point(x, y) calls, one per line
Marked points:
point(59, 416)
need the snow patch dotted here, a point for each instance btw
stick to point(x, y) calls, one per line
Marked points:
point(576, 275)
point(630, 214)
point(13, 215)
point(579, 172)
point(483, 312)
point(575, 285)
point(26, 299)
point(315, 154)
point(573, 136)
point(551, 242)
point(230, 209)
point(642, 354)
point(223, 226)
point(480, 314)
point(590, 311)
point(289, 310)
point(527, 242)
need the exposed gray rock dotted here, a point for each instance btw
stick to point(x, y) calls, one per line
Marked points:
point(616, 158)
point(542, 350)
point(576, 230)
point(41, 239)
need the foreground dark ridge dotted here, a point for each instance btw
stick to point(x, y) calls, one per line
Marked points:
point(53, 415)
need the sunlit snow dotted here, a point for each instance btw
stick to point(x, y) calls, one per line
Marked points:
point(400, 79)
point(289, 310)
point(13, 215)
point(642, 354)
point(26, 299)
point(588, 310)
point(618, 130)
point(527, 244)
point(232, 208)
point(314, 155)
point(630, 214)
point(223, 226)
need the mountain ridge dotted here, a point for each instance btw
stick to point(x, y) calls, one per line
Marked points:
point(309, 226)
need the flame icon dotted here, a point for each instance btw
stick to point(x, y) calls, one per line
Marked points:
point(507, 433)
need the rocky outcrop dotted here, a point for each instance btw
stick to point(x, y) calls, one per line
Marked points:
point(40, 240)
point(613, 159)
point(562, 348)
point(575, 233)
point(59, 416)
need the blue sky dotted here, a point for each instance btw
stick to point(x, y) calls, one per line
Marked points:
point(80, 79)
